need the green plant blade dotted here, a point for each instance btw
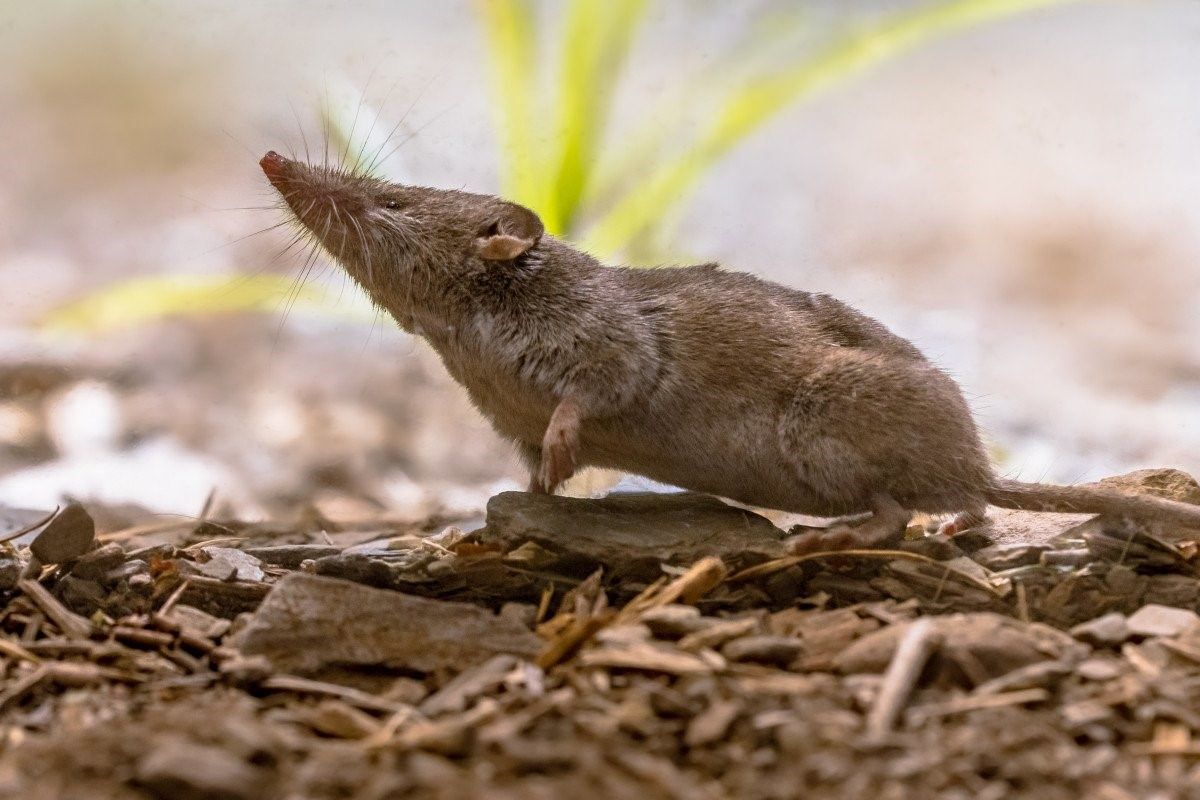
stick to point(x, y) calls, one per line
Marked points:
point(595, 43)
point(510, 30)
point(759, 100)
point(689, 101)
point(144, 300)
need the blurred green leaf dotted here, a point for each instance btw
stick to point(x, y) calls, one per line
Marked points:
point(746, 109)
point(594, 46)
point(512, 44)
point(148, 299)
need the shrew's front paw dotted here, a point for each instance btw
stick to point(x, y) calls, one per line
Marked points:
point(559, 452)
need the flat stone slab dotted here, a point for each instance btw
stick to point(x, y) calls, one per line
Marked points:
point(627, 533)
point(310, 622)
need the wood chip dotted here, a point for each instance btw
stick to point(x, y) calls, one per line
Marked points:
point(70, 623)
point(647, 657)
point(977, 703)
point(355, 697)
point(913, 652)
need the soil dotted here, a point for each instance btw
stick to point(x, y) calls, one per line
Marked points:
point(386, 658)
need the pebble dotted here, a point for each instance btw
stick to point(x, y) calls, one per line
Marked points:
point(1099, 669)
point(66, 537)
point(245, 567)
point(673, 621)
point(127, 571)
point(765, 649)
point(200, 621)
point(1000, 557)
point(291, 556)
point(81, 595)
point(712, 724)
point(10, 573)
point(1110, 630)
point(185, 770)
point(1121, 580)
point(98, 563)
point(1157, 620)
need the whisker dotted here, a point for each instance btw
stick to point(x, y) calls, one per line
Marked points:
point(325, 125)
point(300, 126)
point(414, 134)
point(375, 160)
point(354, 125)
point(247, 236)
point(240, 143)
point(358, 158)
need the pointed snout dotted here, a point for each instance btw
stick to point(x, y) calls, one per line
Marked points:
point(275, 167)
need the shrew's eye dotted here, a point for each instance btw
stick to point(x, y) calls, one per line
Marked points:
point(391, 203)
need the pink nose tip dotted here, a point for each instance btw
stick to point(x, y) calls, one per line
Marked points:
point(273, 165)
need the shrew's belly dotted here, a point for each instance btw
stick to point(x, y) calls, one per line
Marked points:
point(740, 461)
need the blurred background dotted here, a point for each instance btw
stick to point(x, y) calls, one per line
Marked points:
point(1015, 185)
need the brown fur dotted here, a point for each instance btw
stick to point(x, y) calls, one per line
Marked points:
point(710, 380)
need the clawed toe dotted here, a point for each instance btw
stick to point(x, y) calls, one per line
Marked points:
point(840, 537)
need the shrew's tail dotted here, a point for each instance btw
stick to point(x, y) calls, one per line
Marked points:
point(1091, 500)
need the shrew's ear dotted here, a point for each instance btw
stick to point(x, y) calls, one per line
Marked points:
point(513, 231)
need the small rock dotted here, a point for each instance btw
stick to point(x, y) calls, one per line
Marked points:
point(335, 718)
point(245, 566)
point(765, 649)
point(1169, 483)
point(308, 622)
point(673, 621)
point(246, 670)
point(1000, 557)
point(1100, 669)
point(1156, 620)
point(10, 573)
point(81, 596)
point(99, 562)
point(179, 769)
point(383, 548)
point(66, 537)
point(1110, 630)
point(290, 556)
point(127, 571)
point(199, 621)
point(218, 568)
point(1085, 713)
point(162, 552)
point(711, 724)
point(355, 567)
point(1121, 580)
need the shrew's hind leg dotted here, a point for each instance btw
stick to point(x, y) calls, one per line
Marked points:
point(884, 527)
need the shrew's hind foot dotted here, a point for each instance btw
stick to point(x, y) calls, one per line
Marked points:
point(963, 521)
point(883, 528)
